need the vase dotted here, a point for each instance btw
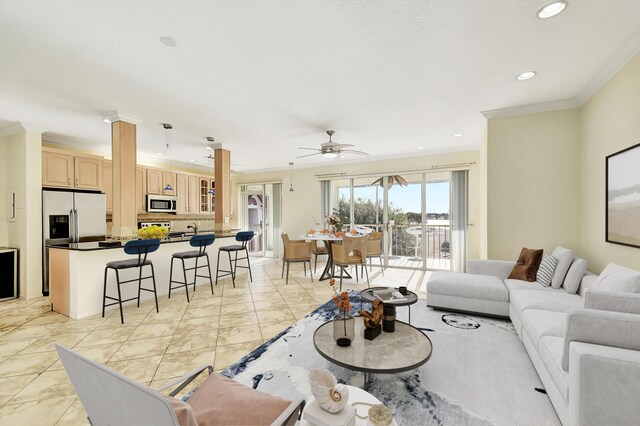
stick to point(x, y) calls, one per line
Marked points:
point(343, 330)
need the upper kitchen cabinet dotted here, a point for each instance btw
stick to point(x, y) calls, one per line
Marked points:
point(193, 200)
point(62, 170)
point(154, 182)
point(141, 186)
point(182, 193)
point(88, 172)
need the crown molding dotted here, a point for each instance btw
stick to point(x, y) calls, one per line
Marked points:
point(530, 109)
point(613, 65)
point(56, 140)
point(12, 129)
point(121, 116)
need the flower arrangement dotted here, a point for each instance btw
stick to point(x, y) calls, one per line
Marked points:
point(334, 220)
point(340, 299)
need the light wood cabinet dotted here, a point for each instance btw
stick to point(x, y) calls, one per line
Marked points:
point(193, 205)
point(204, 195)
point(182, 193)
point(141, 186)
point(107, 183)
point(168, 179)
point(88, 173)
point(57, 169)
point(154, 182)
point(212, 197)
point(71, 171)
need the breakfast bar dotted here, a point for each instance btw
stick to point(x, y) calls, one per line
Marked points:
point(76, 273)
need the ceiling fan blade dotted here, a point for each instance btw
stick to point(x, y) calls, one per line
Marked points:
point(311, 149)
point(309, 155)
point(353, 152)
point(335, 146)
point(400, 180)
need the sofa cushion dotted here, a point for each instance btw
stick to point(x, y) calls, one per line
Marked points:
point(551, 300)
point(551, 349)
point(565, 257)
point(618, 278)
point(539, 323)
point(546, 270)
point(612, 301)
point(524, 285)
point(476, 286)
point(574, 276)
point(527, 265)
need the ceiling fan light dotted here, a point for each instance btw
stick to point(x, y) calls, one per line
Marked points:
point(329, 154)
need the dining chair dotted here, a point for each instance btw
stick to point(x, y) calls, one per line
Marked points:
point(374, 249)
point(296, 251)
point(317, 251)
point(352, 252)
point(109, 398)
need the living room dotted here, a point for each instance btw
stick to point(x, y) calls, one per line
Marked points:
point(534, 153)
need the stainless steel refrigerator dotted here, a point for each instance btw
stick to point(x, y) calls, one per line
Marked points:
point(70, 217)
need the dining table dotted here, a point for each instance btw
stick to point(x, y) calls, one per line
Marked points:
point(328, 240)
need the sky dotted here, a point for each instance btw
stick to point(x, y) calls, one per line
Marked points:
point(408, 197)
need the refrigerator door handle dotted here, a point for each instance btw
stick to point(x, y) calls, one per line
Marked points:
point(72, 226)
point(76, 222)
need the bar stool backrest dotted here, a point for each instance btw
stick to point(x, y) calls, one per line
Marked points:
point(244, 237)
point(141, 248)
point(202, 241)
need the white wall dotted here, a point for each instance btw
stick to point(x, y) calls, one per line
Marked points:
point(301, 208)
point(609, 122)
point(24, 173)
point(4, 205)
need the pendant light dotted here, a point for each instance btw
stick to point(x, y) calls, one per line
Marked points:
point(167, 138)
point(290, 176)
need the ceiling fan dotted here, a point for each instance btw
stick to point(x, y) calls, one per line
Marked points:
point(333, 150)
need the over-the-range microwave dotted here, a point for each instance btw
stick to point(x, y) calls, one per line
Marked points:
point(161, 204)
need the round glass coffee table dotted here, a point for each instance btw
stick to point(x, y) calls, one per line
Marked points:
point(368, 295)
point(405, 349)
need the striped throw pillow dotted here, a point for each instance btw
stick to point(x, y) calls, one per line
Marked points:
point(546, 270)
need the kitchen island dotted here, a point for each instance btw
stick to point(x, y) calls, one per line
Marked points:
point(76, 273)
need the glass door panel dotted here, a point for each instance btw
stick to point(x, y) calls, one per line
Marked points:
point(438, 231)
point(404, 239)
point(261, 213)
point(341, 201)
point(367, 203)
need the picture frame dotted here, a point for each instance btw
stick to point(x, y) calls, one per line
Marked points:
point(622, 213)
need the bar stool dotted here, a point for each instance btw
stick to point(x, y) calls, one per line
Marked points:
point(141, 248)
point(200, 241)
point(244, 237)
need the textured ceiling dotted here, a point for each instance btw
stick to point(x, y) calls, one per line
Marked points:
point(265, 77)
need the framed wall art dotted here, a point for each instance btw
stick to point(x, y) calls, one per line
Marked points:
point(623, 197)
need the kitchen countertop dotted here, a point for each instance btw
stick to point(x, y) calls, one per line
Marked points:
point(92, 246)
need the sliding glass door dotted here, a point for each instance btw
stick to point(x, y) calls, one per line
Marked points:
point(413, 210)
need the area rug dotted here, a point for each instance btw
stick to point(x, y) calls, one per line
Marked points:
point(478, 374)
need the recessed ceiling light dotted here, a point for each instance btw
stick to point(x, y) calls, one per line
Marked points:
point(420, 148)
point(193, 161)
point(552, 9)
point(159, 153)
point(207, 147)
point(168, 41)
point(457, 135)
point(525, 75)
point(106, 120)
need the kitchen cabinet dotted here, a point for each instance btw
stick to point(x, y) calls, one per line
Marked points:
point(107, 184)
point(154, 182)
point(141, 186)
point(168, 179)
point(193, 203)
point(88, 172)
point(212, 197)
point(204, 195)
point(182, 193)
point(62, 170)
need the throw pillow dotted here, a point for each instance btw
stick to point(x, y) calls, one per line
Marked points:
point(527, 265)
point(565, 257)
point(183, 411)
point(546, 269)
point(574, 276)
point(618, 278)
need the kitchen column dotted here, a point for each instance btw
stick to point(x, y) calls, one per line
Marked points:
point(123, 152)
point(222, 175)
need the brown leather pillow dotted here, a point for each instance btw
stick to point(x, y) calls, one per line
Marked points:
point(527, 265)
point(222, 401)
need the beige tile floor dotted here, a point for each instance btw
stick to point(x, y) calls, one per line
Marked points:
point(154, 347)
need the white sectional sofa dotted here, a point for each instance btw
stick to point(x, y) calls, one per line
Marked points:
point(585, 347)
